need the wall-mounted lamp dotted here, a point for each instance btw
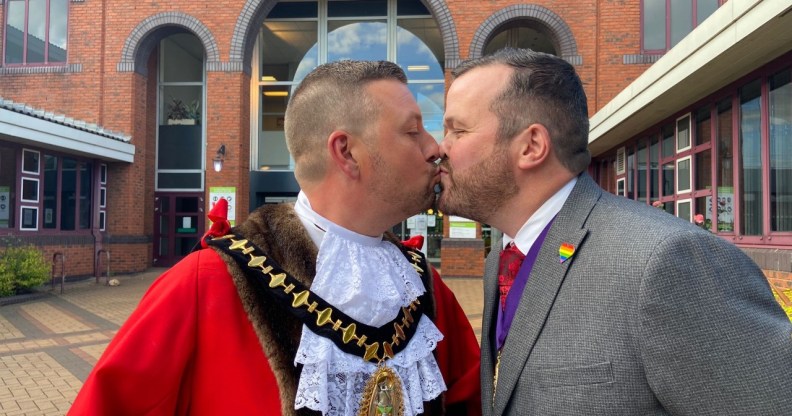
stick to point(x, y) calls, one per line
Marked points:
point(217, 162)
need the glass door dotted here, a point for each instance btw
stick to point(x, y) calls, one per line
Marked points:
point(179, 224)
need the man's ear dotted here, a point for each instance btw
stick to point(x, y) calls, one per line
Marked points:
point(339, 146)
point(534, 146)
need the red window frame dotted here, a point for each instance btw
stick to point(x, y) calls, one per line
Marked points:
point(25, 62)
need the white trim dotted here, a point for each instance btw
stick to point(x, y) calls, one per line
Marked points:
point(22, 189)
point(677, 190)
point(102, 220)
point(103, 173)
point(690, 211)
point(102, 197)
point(38, 162)
point(624, 186)
point(21, 217)
point(46, 134)
point(737, 38)
point(689, 133)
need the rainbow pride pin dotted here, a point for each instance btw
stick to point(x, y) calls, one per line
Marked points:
point(565, 252)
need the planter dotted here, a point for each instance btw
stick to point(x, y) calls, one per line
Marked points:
point(181, 122)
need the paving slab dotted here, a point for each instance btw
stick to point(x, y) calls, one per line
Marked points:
point(50, 342)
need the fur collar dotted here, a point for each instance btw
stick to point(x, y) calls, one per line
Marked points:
point(278, 231)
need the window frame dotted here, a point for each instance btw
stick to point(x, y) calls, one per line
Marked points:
point(668, 45)
point(47, 20)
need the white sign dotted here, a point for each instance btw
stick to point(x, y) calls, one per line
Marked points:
point(229, 194)
point(461, 227)
point(5, 202)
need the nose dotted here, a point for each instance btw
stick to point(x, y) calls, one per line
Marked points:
point(444, 147)
point(431, 148)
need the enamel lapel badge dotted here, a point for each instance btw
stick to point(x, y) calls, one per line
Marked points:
point(565, 252)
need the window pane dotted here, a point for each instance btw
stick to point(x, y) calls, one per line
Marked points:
point(430, 98)
point(704, 8)
point(630, 166)
point(681, 20)
point(356, 40)
point(183, 59)
point(15, 32)
point(704, 170)
point(86, 193)
point(357, 8)
point(289, 50)
point(683, 210)
point(654, 166)
point(704, 207)
point(420, 49)
point(179, 147)
point(725, 168)
point(411, 8)
point(57, 30)
point(668, 179)
point(521, 33)
point(285, 10)
point(703, 126)
point(50, 191)
point(30, 190)
point(751, 214)
point(781, 152)
point(37, 30)
point(272, 151)
point(29, 218)
point(181, 103)
point(68, 194)
point(179, 180)
point(641, 164)
point(683, 176)
point(683, 133)
point(654, 24)
point(8, 179)
point(668, 141)
point(30, 161)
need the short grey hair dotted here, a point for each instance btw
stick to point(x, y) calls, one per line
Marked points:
point(329, 98)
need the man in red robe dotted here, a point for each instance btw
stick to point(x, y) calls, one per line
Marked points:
point(211, 337)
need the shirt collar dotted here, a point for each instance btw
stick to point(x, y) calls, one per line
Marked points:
point(317, 225)
point(538, 221)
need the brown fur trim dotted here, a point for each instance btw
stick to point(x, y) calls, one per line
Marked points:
point(278, 231)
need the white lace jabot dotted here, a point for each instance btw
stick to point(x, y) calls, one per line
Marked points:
point(370, 280)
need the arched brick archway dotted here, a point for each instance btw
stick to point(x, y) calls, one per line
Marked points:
point(552, 21)
point(255, 11)
point(143, 38)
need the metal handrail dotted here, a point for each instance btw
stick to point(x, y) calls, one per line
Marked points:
point(97, 271)
point(62, 257)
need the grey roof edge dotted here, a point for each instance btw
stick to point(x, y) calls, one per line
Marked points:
point(62, 120)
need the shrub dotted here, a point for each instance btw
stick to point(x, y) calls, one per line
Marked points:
point(22, 268)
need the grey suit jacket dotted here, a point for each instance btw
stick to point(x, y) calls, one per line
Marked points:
point(650, 316)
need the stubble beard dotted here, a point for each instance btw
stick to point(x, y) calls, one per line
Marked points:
point(480, 191)
point(398, 194)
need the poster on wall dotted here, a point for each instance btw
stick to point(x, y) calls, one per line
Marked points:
point(229, 194)
point(461, 227)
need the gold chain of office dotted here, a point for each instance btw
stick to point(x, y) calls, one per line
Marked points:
point(304, 298)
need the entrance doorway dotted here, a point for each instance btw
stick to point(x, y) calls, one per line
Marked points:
point(179, 224)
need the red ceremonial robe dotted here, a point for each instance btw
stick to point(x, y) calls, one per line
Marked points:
point(189, 348)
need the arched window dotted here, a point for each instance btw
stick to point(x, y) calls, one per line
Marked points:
point(523, 33)
point(299, 35)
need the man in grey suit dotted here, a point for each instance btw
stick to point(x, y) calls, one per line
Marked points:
point(617, 308)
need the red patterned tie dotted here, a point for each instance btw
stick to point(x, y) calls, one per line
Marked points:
point(510, 261)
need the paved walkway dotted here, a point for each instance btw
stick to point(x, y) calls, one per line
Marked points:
point(49, 345)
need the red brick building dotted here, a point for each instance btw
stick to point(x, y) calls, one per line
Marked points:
point(113, 114)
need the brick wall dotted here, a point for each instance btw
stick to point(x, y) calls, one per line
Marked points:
point(462, 258)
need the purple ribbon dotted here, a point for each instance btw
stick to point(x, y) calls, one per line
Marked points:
point(506, 316)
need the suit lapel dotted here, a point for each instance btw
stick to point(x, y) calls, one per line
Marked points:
point(543, 285)
point(488, 323)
